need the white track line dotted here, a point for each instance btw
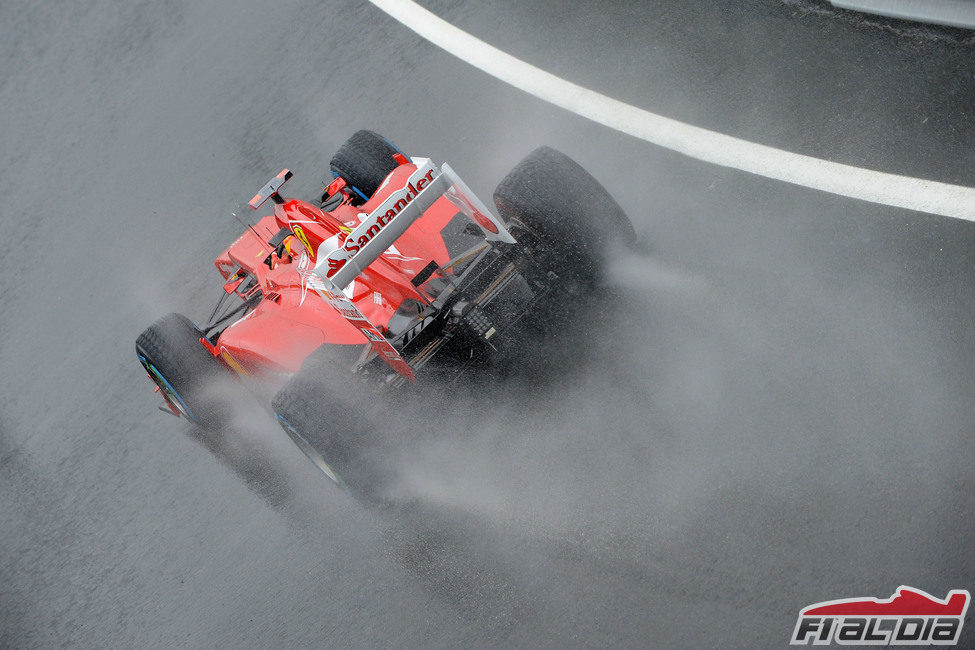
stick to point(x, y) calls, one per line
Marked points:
point(856, 182)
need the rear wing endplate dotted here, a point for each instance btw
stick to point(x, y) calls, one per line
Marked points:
point(467, 202)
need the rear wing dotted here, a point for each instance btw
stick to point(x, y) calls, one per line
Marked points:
point(381, 228)
point(384, 225)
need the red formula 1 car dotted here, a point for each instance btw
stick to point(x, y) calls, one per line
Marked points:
point(400, 274)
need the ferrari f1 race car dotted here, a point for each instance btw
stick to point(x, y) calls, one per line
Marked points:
point(397, 277)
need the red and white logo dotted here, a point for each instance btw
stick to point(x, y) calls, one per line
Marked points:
point(909, 617)
point(379, 218)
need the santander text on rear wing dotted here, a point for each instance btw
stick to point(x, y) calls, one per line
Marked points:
point(381, 228)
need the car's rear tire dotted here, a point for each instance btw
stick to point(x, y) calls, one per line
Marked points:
point(186, 373)
point(321, 411)
point(570, 212)
point(364, 161)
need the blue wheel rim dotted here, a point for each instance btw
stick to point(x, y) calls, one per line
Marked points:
point(171, 394)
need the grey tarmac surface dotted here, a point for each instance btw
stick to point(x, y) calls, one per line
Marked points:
point(775, 410)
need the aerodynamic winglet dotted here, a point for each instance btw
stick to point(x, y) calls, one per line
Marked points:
point(270, 191)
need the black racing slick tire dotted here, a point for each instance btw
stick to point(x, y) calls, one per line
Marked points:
point(364, 161)
point(566, 209)
point(186, 373)
point(327, 419)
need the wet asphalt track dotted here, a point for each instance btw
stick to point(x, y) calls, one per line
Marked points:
point(776, 411)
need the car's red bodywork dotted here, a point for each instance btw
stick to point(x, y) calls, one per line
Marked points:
point(291, 321)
